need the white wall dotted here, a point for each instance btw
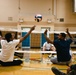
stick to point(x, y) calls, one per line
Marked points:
point(29, 8)
point(8, 8)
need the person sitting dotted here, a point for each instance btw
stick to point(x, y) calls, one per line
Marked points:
point(48, 47)
point(1, 37)
point(71, 70)
point(8, 48)
point(62, 46)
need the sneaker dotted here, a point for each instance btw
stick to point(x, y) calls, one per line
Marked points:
point(50, 56)
point(56, 71)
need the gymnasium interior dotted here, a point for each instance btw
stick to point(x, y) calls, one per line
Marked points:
point(18, 16)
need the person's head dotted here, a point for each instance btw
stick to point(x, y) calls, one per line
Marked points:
point(48, 41)
point(13, 35)
point(8, 37)
point(62, 36)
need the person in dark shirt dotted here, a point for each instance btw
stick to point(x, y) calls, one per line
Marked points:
point(71, 70)
point(62, 46)
point(1, 37)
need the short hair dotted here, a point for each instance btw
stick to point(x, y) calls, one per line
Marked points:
point(8, 36)
point(63, 35)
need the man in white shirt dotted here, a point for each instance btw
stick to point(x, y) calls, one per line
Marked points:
point(48, 47)
point(8, 49)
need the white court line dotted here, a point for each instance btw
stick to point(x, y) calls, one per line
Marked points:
point(33, 68)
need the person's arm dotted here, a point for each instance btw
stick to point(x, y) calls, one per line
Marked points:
point(53, 48)
point(70, 68)
point(67, 31)
point(23, 38)
point(44, 48)
point(47, 39)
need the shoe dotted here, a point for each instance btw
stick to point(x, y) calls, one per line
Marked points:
point(56, 71)
point(50, 56)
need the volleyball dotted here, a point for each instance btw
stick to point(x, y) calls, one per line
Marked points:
point(38, 17)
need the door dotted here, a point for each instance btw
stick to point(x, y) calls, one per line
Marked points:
point(26, 42)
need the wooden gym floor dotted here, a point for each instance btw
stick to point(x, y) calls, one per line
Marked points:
point(34, 67)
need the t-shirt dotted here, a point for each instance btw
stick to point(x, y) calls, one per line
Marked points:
point(48, 45)
point(62, 49)
point(8, 48)
point(0, 40)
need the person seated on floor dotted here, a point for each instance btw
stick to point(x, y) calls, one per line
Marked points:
point(1, 37)
point(62, 46)
point(8, 48)
point(71, 70)
point(48, 47)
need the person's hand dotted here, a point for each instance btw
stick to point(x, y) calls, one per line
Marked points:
point(45, 32)
point(32, 28)
point(68, 70)
point(67, 30)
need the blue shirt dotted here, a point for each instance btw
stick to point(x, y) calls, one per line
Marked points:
point(62, 48)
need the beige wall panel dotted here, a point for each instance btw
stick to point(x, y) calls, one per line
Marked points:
point(8, 8)
point(64, 29)
point(28, 9)
point(65, 10)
